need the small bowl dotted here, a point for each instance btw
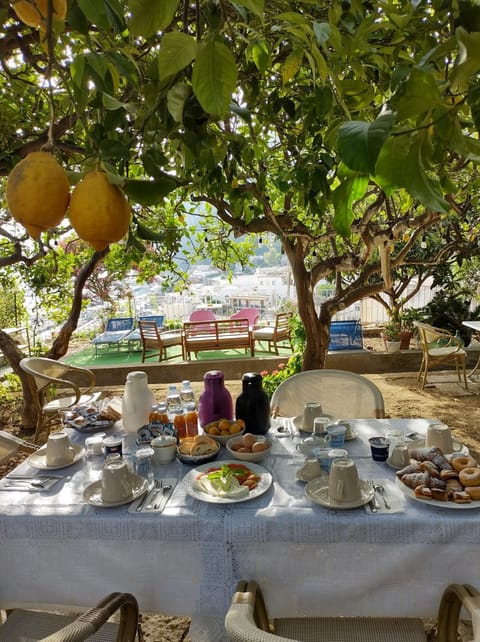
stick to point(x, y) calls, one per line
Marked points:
point(197, 460)
point(223, 439)
point(253, 457)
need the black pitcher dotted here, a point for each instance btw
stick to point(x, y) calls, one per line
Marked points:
point(252, 404)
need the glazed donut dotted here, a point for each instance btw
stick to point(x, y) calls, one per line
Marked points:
point(470, 476)
point(473, 491)
point(459, 463)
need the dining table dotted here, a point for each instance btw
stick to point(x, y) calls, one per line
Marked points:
point(475, 326)
point(59, 551)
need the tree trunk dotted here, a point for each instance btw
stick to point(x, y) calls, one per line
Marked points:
point(13, 356)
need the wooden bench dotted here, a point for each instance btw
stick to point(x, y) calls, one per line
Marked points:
point(217, 335)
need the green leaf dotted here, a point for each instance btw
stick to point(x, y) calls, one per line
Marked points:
point(94, 12)
point(150, 16)
point(402, 165)
point(359, 143)
point(254, 6)
point(177, 51)
point(291, 65)
point(343, 198)
point(176, 98)
point(450, 132)
point(258, 51)
point(214, 78)
point(468, 61)
point(419, 94)
point(113, 149)
point(147, 234)
point(322, 31)
point(149, 192)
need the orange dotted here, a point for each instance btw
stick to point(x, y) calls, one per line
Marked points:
point(38, 193)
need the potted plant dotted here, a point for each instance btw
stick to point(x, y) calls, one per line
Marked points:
point(391, 336)
point(407, 327)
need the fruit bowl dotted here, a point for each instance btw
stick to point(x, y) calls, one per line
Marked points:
point(255, 457)
point(226, 428)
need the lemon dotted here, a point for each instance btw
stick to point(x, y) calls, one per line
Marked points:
point(34, 12)
point(38, 193)
point(99, 211)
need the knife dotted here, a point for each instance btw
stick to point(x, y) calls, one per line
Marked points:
point(144, 499)
point(373, 505)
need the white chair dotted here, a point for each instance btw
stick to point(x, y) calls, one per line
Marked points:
point(91, 625)
point(247, 621)
point(342, 394)
point(46, 377)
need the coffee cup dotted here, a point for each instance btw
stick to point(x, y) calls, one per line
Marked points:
point(379, 447)
point(439, 436)
point(59, 450)
point(336, 432)
point(307, 446)
point(311, 469)
point(400, 456)
point(310, 411)
point(348, 428)
point(116, 481)
point(320, 425)
point(164, 449)
point(343, 481)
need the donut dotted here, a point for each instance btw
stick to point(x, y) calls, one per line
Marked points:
point(459, 463)
point(473, 491)
point(470, 476)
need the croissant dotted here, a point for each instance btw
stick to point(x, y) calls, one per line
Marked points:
point(412, 480)
point(434, 455)
point(411, 468)
point(430, 468)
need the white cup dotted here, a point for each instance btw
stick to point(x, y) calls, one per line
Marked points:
point(59, 449)
point(343, 481)
point(348, 428)
point(310, 411)
point(164, 449)
point(307, 445)
point(400, 456)
point(311, 469)
point(116, 481)
point(320, 425)
point(439, 436)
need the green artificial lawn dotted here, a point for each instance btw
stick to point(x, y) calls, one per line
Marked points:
point(113, 356)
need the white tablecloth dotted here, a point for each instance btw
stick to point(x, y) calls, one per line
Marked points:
point(57, 550)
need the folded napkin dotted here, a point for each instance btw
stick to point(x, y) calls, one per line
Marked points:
point(395, 498)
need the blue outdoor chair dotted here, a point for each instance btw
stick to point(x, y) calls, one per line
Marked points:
point(116, 330)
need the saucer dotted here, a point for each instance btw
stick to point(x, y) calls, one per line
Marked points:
point(317, 491)
point(93, 493)
point(39, 458)
point(298, 422)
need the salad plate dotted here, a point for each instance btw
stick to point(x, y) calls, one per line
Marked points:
point(39, 458)
point(197, 491)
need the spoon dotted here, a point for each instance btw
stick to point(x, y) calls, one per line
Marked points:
point(165, 489)
point(381, 490)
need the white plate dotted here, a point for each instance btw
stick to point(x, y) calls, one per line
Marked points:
point(261, 488)
point(408, 492)
point(317, 491)
point(39, 458)
point(298, 422)
point(93, 493)
point(300, 476)
point(457, 446)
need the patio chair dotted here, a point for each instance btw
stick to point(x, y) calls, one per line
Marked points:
point(158, 342)
point(439, 347)
point(91, 625)
point(247, 621)
point(202, 315)
point(276, 334)
point(116, 330)
point(134, 335)
point(10, 445)
point(45, 376)
point(252, 314)
point(343, 394)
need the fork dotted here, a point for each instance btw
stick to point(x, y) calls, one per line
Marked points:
point(157, 487)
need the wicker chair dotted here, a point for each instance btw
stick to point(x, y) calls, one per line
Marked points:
point(247, 621)
point(92, 625)
point(45, 376)
point(439, 347)
point(341, 393)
